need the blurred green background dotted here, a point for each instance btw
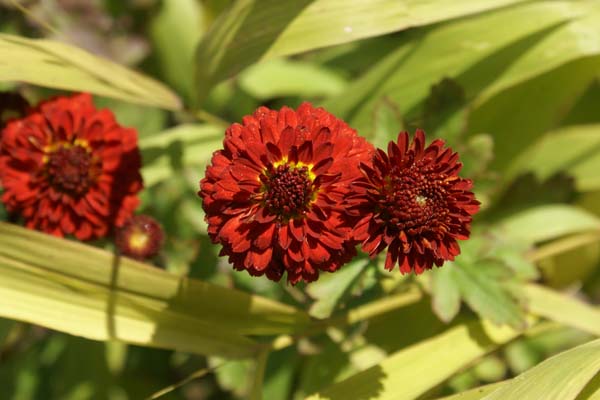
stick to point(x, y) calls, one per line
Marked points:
point(513, 86)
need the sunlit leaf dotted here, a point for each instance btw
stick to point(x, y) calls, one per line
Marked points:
point(474, 394)
point(175, 31)
point(472, 51)
point(89, 292)
point(563, 309)
point(409, 373)
point(533, 225)
point(574, 150)
point(592, 390)
point(184, 146)
point(561, 377)
point(445, 293)
point(329, 289)
point(250, 30)
point(484, 278)
point(280, 78)
point(551, 95)
point(576, 39)
point(57, 65)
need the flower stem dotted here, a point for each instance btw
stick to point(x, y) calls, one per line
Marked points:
point(205, 116)
point(358, 314)
point(564, 244)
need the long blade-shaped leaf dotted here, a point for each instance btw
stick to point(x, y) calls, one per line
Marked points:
point(412, 371)
point(473, 51)
point(252, 29)
point(65, 261)
point(73, 306)
point(561, 377)
point(532, 226)
point(58, 65)
point(566, 310)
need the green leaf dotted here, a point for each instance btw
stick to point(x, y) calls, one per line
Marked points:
point(532, 225)
point(592, 390)
point(560, 308)
point(281, 77)
point(175, 31)
point(570, 260)
point(481, 288)
point(233, 375)
point(184, 146)
point(330, 288)
point(411, 372)
point(281, 29)
point(579, 38)
point(554, 95)
point(474, 394)
point(483, 280)
point(443, 111)
point(280, 374)
point(258, 375)
point(61, 66)
point(387, 119)
point(472, 51)
point(5, 328)
point(561, 377)
point(573, 150)
point(476, 155)
point(89, 292)
point(445, 293)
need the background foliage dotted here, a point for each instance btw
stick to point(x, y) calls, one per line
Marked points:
point(513, 85)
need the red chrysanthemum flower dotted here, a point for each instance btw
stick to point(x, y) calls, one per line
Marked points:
point(141, 237)
point(412, 201)
point(70, 169)
point(272, 196)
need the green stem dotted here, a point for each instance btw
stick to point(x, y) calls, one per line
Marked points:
point(565, 244)
point(31, 15)
point(196, 375)
point(205, 116)
point(259, 375)
point(350, 317)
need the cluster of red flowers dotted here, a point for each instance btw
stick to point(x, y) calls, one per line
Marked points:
point(292, 191)
point(296, 191)
point(67, 168)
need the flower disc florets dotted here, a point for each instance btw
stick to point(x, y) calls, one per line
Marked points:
point(272, 196)
point(412, 202)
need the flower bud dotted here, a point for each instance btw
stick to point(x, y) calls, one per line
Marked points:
point(141, 237)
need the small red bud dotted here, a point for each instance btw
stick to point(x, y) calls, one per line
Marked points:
point(140, 238)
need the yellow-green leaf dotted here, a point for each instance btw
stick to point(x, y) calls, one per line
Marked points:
point(472, 51)
point(561, 377)
point(559, 307)
point(474, 394)
point(58, 65)
point(184, 146)
point(250, 29)
point(89, 292)
point(573, 150)
point(532, 224)
point(410, 372)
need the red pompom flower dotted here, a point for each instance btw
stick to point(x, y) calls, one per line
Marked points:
point(70, 169)
point(272, 196)
point(412, 201)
